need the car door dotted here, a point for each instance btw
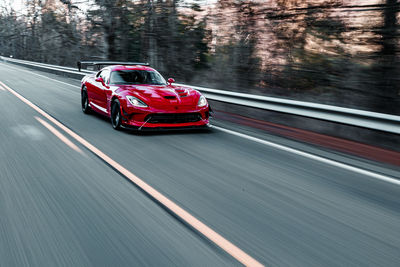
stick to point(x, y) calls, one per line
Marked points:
point(105, 74)
point(99, 98)
point(107, 91)
point(91, 85)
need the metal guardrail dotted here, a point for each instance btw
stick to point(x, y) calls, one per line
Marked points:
point(360, 118)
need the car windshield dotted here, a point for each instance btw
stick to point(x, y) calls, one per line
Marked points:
point(136, 77)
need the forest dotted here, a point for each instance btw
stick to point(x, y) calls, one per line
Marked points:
point(340, 52)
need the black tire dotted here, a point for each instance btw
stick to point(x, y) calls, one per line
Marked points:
point(85, 101)
point(116, 115)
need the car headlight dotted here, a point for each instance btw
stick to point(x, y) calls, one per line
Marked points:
point(202, 101)
point(136, 101)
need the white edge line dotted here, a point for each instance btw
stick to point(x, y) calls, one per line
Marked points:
point(19, 69)
point(202, 228)
point(312, 156)
point(42, 65)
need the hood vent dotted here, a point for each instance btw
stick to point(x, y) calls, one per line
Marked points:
point(182, 92)
point(171, 97)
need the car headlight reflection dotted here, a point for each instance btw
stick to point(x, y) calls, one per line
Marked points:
point(136, 101)
point(202, 101)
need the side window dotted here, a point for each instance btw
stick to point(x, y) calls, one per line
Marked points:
point(105, 74)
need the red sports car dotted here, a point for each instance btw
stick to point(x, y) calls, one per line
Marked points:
point(138, 97)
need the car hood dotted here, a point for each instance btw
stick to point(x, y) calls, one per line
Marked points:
point(162, 95)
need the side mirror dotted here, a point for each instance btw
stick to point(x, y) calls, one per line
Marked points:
point(171, 80)
point(100, 80)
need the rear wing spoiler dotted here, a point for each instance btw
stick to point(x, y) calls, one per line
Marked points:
point(100, 64)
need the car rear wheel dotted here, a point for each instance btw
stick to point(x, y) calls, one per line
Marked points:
point(116, 115)
point(85, 101)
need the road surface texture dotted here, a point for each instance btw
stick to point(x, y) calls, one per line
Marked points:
point(60, 205)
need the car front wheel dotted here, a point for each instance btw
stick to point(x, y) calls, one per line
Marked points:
point(116, 115)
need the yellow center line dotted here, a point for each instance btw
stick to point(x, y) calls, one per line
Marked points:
point(59, 135)
point(209, 233)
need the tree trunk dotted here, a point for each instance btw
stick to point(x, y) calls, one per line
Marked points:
point(151, 42)
point(387, 72)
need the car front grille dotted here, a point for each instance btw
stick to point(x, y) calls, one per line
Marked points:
point(173, 118)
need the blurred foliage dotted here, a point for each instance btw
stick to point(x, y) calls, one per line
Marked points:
point(329, 51)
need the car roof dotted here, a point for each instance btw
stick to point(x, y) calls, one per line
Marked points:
point(129, 67)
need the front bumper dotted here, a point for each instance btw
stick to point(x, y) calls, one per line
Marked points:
point(161, 119)
point(156, 129)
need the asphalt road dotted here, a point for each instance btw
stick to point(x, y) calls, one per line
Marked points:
point(62, 207)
